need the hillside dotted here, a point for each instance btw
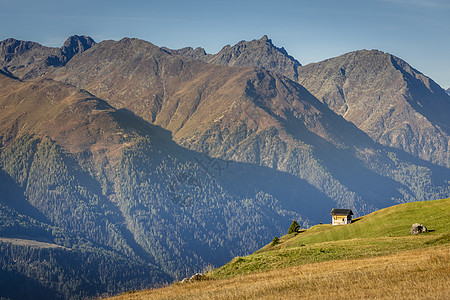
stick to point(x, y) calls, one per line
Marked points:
point(382, 232)
point(49, 195)
point(374, 256)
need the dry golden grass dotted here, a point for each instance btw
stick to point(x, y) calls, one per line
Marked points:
point(413, 274)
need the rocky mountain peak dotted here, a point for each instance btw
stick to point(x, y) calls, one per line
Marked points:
point(12, 47)
point(78, 43)
point(261, 53)
point(258, 53)
point(75, 44)
point(384, 96)
point(28, 60)
point(265, 38)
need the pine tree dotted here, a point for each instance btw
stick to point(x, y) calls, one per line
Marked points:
point(294, 227)
point(275, 241)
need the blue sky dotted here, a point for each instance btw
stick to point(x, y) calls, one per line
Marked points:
point(417, 31)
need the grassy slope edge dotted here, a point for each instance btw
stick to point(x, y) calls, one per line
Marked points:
point(373, 257)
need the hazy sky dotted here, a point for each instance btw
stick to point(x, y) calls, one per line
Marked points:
point(417, 31)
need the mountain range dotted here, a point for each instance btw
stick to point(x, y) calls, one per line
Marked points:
point(378, 92)
point(153, 163)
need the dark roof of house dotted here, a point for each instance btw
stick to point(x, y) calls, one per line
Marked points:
point(341, 211)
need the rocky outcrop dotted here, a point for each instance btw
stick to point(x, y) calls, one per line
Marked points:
point(25, 59)
point(417, 228)
point(193, 278)
point(73, 45)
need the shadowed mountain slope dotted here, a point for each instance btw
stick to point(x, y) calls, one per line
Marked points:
point(54, 139)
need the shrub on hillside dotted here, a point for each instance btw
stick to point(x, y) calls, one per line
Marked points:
point(275, 241)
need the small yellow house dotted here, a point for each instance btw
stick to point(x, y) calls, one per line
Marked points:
point(340, 216)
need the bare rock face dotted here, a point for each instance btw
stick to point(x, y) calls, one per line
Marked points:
point(73, 45)
point(27, 60)
point(418, 228)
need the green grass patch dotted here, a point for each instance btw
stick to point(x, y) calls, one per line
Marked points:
point(393, 221)
point(381, 233)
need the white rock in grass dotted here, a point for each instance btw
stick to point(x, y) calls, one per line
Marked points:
point(418, 228)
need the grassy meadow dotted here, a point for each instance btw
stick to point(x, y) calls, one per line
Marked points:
point(374, 257)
